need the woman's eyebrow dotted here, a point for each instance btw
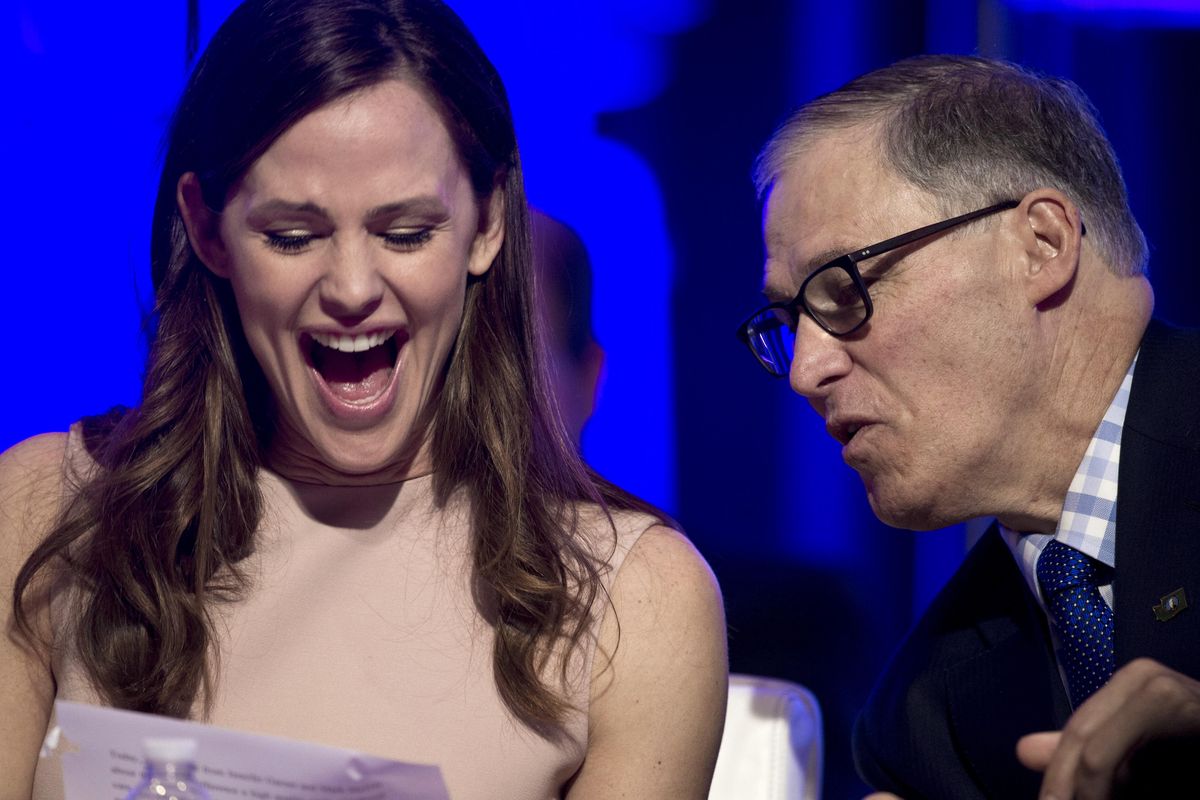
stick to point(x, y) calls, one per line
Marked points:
point(428, 205)
point(277, 207)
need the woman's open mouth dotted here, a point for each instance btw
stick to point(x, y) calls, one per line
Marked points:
point(354, 371)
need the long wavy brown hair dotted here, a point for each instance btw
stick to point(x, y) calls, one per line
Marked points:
point(154, 536)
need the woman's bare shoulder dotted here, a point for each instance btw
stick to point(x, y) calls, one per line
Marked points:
point(611, 533)
point(32, 486)
point(39, 453)
point(664, 572)
point(658, 701)
point(32, 482)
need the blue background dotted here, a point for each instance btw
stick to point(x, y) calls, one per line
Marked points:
point(639, 120)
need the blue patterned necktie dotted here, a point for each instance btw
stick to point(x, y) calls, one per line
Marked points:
point(1070, 588)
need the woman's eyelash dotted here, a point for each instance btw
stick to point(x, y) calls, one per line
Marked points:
point(407, 240)
point(289, 242)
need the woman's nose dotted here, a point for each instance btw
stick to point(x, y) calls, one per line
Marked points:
point(352, 286)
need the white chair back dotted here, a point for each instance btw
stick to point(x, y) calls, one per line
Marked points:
point(771, 748)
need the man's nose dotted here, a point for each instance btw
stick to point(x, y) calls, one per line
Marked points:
point(352, 285)
point(819, 360)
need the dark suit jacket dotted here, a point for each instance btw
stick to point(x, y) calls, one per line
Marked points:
point(978, 672)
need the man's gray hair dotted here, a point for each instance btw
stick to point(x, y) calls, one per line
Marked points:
point(971, 132)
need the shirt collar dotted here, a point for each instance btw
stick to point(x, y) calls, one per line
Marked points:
point(1089, 517)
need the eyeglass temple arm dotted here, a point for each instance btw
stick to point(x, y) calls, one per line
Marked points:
point(929, 230)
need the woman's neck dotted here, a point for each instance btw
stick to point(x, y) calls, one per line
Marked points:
point(297, 460)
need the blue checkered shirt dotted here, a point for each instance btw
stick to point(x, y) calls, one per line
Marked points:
point(1089, 518)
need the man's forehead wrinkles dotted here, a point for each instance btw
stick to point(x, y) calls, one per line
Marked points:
point(773, 238)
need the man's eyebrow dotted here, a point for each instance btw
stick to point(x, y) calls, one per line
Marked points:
point(823, 258)
point(771, 285)
point(777, 294)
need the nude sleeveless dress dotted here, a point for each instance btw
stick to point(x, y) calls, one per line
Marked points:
point(360, 631)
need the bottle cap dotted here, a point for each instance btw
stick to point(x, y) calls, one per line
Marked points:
point(165, 749)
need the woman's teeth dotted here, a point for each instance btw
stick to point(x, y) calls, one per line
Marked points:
point(352, 344)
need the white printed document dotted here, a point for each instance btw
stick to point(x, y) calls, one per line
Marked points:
point(100, 751)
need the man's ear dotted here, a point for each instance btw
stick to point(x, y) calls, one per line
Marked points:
point(202, 225)
point(1050, 231)
point(491, 232)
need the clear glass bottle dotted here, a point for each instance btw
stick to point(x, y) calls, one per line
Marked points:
point(170, 772)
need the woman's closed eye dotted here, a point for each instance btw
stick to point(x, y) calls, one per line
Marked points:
point(297, 240)
point(289, 241)
point(406, 239)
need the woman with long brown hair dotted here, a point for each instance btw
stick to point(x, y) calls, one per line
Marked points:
point(345, 509)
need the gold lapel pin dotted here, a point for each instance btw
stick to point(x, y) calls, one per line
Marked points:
point(1169, 605)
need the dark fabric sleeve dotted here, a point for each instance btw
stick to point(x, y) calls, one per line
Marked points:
point(974, 675)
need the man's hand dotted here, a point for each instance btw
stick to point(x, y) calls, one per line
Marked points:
point(1102, 744)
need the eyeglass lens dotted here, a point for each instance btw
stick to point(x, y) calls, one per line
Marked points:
point(834, 299)
point(772, 336)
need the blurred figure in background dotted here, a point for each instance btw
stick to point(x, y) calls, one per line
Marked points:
point(563, 296)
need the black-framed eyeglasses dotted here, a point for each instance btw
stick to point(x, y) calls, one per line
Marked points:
point(834, 296)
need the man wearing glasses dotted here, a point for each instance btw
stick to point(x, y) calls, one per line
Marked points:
point(993, 354)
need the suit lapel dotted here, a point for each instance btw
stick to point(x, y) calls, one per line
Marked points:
point(1009, 688)
point(1158, 506)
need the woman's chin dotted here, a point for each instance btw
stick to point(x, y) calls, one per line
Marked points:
point(393, 465)
point(359, 458)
